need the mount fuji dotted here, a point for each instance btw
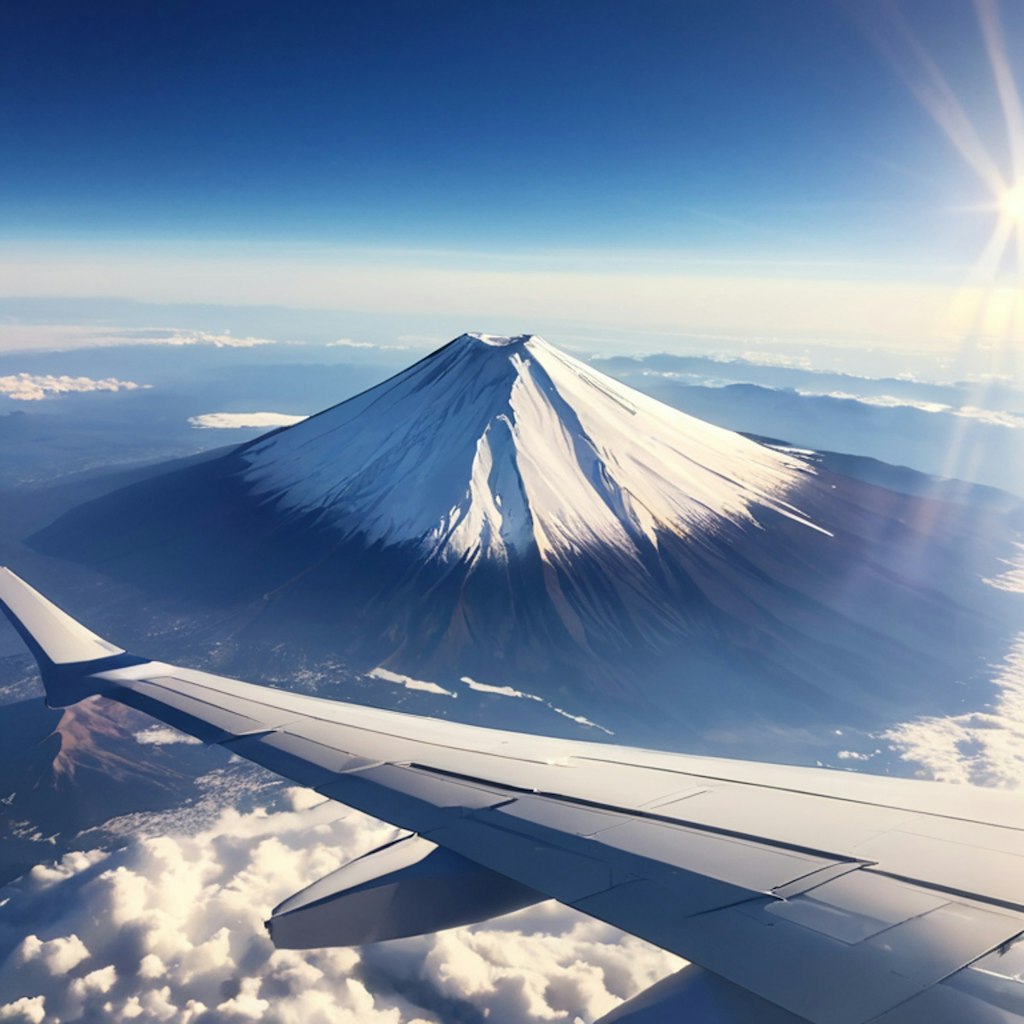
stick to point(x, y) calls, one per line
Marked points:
point(501, 511)
point(496, 446)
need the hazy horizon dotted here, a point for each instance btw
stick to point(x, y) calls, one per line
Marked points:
point(818, 174)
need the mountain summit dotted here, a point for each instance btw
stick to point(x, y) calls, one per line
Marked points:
point(502, 516)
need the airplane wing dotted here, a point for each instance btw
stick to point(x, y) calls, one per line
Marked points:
point(801, 894)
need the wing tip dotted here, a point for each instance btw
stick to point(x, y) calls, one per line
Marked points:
point(65, 650)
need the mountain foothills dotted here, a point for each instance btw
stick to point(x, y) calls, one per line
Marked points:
point(502, 513)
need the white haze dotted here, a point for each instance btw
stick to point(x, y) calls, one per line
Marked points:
point(239, 420)
point(33, 387)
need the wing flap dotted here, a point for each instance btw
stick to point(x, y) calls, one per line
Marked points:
point(953, 866)
point(698, 872)
point(694, 994)
point(942, 1004)
point(408, 887)
point(811, 974)
point(564, 869)
point(855, 906)
point(753, 865)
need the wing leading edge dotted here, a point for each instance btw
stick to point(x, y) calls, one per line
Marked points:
point(829, 897)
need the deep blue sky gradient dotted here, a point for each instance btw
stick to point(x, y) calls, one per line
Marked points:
point(745, 126)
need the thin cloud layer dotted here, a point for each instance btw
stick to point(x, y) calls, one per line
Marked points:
point(68, 337)
point(985, 748)
point(351, 343)
point(33, 387)
point(175, 337)
point(883, 401)
point(424, 685)
point(163, 735)
point(239, 420)
point(994, 417)
point(1012, 578)
point(170, 927)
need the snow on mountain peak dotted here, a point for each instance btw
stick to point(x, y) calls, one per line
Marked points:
point(498, 340)
point(493, 445)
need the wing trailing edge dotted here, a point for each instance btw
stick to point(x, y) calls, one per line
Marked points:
point(694, 994)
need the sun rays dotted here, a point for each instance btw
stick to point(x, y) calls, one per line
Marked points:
point(984, 317)
point(1011, 206)
point(1010, 198)
point(990, 298)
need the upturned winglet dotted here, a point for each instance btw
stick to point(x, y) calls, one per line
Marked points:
point(66, 651)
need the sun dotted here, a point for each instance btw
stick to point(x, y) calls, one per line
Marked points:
point(1011, 204)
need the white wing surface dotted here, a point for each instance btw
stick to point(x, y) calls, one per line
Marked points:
point(803, 894)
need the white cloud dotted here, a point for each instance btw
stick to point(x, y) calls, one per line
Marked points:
point(508, 691)
point(350, 343)
point(161, 336)
point(767, 359)
point(387, 676)
point(247, 1004)
point(151, 966)
point(172, 923)
point(46, 875)
point(981, 747)
point(163, 735)
point(500, 691)
point(101, 980)
point(26, 1010)
point(59, 955)
point(994, 417)
point(792, 450)
point(67, 337)
point(425, 686)
point(884, 401)
point(32, 387)
point(1013, 578)
point(580, 720)
point(429, 341)
point(238, 420)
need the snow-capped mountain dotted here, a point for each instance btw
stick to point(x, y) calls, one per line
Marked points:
point(497, 446)
point(504, 513)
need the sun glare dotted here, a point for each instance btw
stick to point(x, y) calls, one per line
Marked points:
point(1011, 203)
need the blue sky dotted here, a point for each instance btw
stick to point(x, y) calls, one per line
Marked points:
point(681, 138)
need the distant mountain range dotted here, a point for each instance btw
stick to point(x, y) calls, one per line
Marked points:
point(971, 431)
point(504, 515)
